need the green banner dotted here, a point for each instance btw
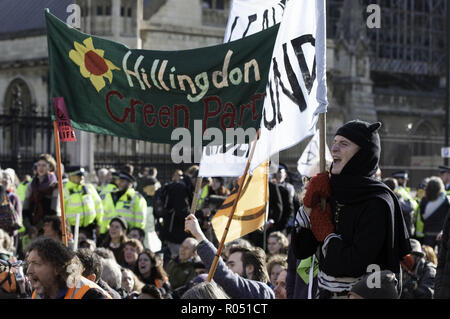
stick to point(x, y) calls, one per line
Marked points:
point(142, 94)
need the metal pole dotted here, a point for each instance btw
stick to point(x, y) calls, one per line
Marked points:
point(322, 143)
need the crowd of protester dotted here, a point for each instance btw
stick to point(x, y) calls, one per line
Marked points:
point(130, 236)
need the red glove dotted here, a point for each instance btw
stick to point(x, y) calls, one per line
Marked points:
point(321, 222)
point(318, 187)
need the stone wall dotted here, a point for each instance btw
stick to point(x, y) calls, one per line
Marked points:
point(25, 48)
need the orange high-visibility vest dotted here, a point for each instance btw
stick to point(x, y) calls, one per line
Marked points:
point(77, 292)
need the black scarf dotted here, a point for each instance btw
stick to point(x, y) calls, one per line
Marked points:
point(355, 184)
point(356, 189)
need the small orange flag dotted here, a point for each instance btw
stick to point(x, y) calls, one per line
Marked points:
point(250, 211)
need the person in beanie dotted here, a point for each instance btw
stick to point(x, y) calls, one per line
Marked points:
point(376, 285)
point(362, 223)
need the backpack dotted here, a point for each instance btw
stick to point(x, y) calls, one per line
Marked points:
point(9, 219)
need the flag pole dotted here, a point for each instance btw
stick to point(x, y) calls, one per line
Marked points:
point(213, 268)
point(60, 186)
point(198, 186)
point(322, 163)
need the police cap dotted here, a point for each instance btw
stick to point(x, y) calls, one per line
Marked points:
point(126, 176)
point(443, 169)
point(75, 170)
point(400, 174)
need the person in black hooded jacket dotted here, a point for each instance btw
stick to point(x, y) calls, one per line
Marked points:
point(442, 280)
point(362, 227)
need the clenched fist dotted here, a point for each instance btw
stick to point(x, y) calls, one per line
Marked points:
point(192, 226)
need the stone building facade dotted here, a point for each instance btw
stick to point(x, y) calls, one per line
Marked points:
point(393, 75)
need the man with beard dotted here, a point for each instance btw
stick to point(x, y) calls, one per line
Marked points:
point(55, 273)
point(246, 275)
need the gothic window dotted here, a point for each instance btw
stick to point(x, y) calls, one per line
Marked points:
point(18, 98)
point(422, 134)
point(18, 103)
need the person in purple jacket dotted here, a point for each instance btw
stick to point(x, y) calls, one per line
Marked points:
point(243, 277)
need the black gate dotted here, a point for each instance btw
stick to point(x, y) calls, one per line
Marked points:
point(24, 131)
point(115, 152)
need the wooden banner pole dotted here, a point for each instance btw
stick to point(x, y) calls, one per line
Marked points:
point(198, 187)
point(60, 185)
point(213, 268)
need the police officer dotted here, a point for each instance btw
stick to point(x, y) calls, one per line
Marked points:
point(82, 198)
point(107, 182)
point(404, 191)
point(126, 202)
point(22, 187)
point(444, 174)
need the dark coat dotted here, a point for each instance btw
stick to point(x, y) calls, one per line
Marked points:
point(104, 285)
point(296, 288)
point(180, 273)
point(442, 280)
point(433, 224)
point(365, 228)
point(177, 202)
point(275, 203)
point(419, 285)
point(287, 211)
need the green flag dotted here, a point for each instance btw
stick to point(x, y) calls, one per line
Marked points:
point(142, 94)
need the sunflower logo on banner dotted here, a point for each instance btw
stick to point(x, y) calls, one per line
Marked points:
point(92, 63)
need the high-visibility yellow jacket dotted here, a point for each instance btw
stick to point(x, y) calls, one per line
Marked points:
point(404, 192)
point(82, 199)
point(108, 212)
point(203, 195)
point(132, 206)
point(21, 190)
point(104, 189)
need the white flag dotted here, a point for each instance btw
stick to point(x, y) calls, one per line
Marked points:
point(251, 16)
point(246, 18)
point(311, 155)
point(293, 100)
